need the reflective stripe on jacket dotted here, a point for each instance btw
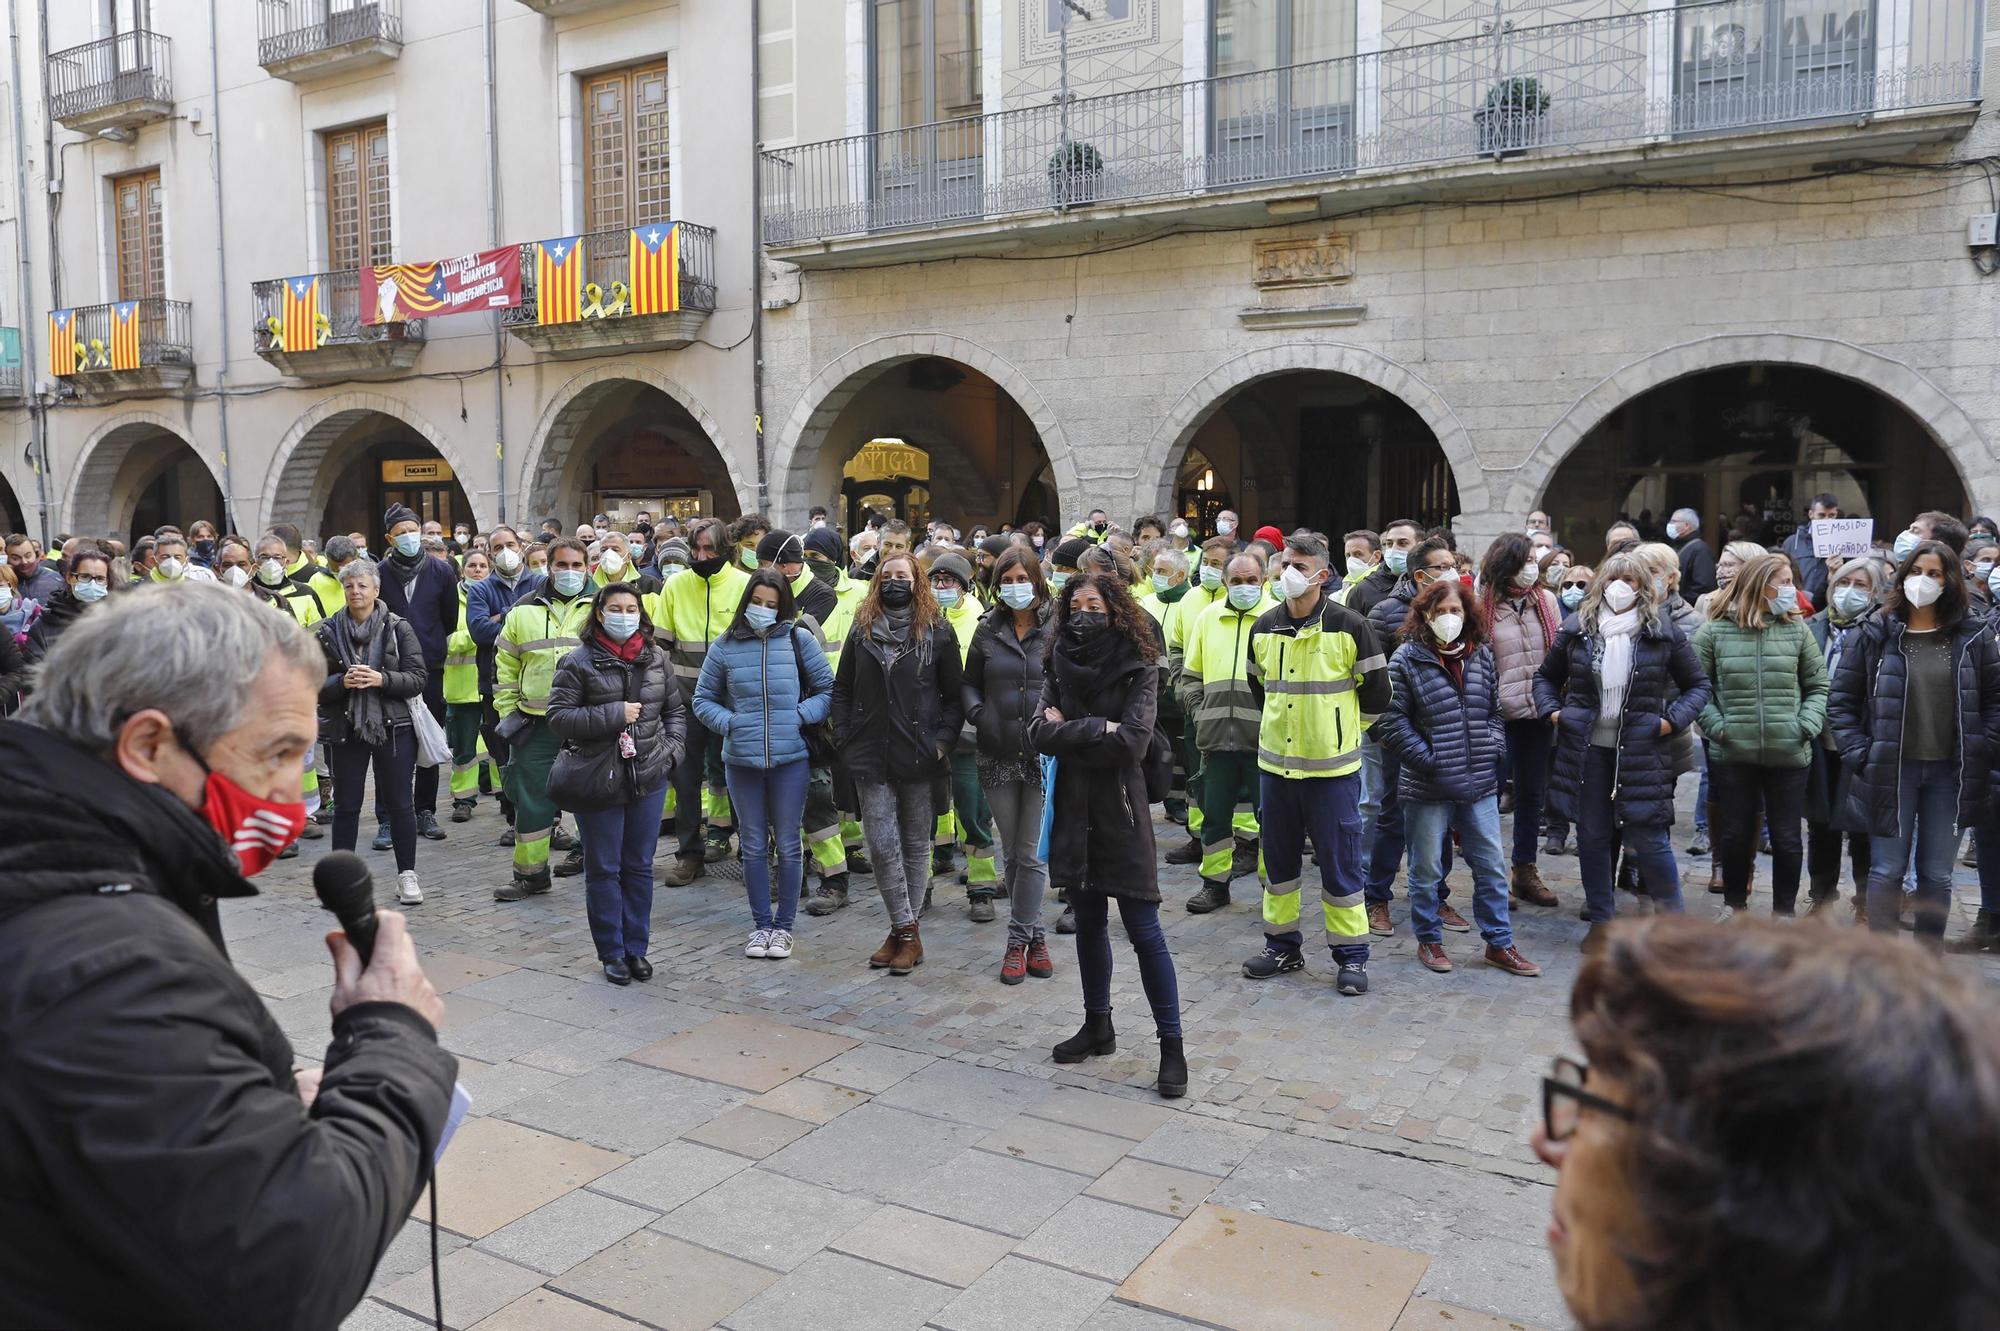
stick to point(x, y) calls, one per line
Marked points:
point(461, 660)
point(1214, 680)
point(534, 638)
point(1319, 684)
point(691, 612)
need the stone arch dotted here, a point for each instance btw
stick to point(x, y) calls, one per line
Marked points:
point(1209, 393)
point(555, 439)
point(94, 500)
point(1970, 454)
point(796, 453)
point(298, 482)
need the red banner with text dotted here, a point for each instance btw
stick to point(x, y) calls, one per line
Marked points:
point(400, 292)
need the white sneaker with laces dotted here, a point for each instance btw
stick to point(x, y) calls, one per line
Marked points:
point(759, 944)
point(407, 891)
point(1726, 914)
point(780, 945)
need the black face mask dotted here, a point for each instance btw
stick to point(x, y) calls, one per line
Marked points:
point(1099, 527)
point(707, 568)
point(897, 594)
point(1088, 625)
point(204, 548)
point(823, 571)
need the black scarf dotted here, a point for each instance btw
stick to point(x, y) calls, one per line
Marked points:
point(363, 644)
point(1086, 669)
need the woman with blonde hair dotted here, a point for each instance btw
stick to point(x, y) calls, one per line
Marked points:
point(1727, 564)
point(1604, 686)
point(1768, 706)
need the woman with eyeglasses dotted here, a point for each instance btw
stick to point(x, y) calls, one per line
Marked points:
point(1853, 592)
point(1604, 686)
point(1916, 712)
point(1569, 589)
point(1738, 1152)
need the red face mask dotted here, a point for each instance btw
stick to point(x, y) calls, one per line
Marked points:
point(255, 828)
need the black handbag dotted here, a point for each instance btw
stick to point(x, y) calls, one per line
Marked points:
point(820, 748)
point(585, 781)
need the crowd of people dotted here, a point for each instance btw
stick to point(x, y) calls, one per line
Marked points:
point(1005, 706)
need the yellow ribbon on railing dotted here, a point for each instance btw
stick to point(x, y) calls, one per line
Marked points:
point(100, 354)
point(619, 291)
point(82, 356)
point(276, 328)
point(322, 328)
point(595, 306)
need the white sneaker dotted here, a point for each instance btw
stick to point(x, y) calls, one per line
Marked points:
point(780, 945)
point(1726, 914)
point(759, 944)
point(407, 891)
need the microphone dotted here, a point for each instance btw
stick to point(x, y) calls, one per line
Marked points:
point(346, 888)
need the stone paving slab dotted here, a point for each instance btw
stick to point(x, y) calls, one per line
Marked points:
point(664, 1282)
point(871, 1068)
point(1427, 1315)
point(766, 1218)
point(750, 1132)
point(834, 1292)
point(1019, 1293)
point(874, 1151)
point(495, 1172)
point(754, 1055)
point(671, 1176)
point(475, 1285)
point(1056, 1145)
point(1151, 1187)
point(925, 1245)
point(814, 1102)
point(553, 1238)
point(991, 1191)
point(624, 1107)
point(1098, 1238)
point(546, 1310)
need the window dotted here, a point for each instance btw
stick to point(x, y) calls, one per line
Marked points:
point(1284, 96)
point(1270, 34)
point(136, 202)
point(926, 62)
point(626, 178)
point(127, 16)
point(357, 197)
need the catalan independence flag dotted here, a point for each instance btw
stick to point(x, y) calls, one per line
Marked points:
point(301, 314)
point(656, 268)
point(62, 342)
point(125, 335)
point(559, 280)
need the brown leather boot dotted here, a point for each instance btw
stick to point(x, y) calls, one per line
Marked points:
point(1528, 887)
point(885, 953)
point(909, 950)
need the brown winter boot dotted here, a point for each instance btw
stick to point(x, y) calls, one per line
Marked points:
point(885, 953)
point(1528, 888)
point(909, 950)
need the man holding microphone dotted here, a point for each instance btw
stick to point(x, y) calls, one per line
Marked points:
point(161, 1161)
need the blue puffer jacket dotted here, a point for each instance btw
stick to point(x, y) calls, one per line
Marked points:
point(1866, 712)
point(749, 693)
point(1643, 792)
point(1448, 741)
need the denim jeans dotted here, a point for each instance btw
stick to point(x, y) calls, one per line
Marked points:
point(1701, 796)
point(1156, 964)
point(1597, 832)
point(1926, 825)
point(1017, 817)
point(393, 761)
point(1747, 797)
point(618, 845)
point(770, 805)
point(1385, 842)
point(1478, 826)
point(1528, 745)
point(897, 818)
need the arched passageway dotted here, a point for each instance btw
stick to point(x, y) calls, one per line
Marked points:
point(340, 471)
point(137, 476)
point(622, 446)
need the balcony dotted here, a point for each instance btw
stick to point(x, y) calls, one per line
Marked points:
point(564, 8)
point(302, 40)
point(120, 82)
point(1734, 84)
point(599, 319)
point(342, 346)
point(126, 348)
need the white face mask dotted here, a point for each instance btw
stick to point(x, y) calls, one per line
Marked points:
point(1619, 596)
point(1673, 531)
point(613, 563)
point(1447, 627)
point(1555, 574)
point(171, 568)
point(1179, 531)
point(1920, 589)
point(1295, 583)
point(507, 559)
point(236, 575)
point(1527, 577)
point(6, 599)
point(270, 572)
point(1357, 567)
point(1225, 527)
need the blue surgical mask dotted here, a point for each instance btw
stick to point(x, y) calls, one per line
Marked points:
point(621, 624)
point(1017, 595)
point(410, 544)
point(1396, 560)
point(1786, 602)
point(1245, 598)
point(1850, 601)
point(1161, 582)
point(568, 581)
point(1057, 579)
point(947, 597)
point(760, 617)
point(88, 590)
point(1211, 577)
point(1571, 597)
point(1993, 583)
point(1906, 541)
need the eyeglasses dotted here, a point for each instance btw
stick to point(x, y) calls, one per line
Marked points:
point(1564, 1100)
point(1579, 586)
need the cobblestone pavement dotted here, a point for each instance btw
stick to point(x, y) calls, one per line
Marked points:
point(811, 1143)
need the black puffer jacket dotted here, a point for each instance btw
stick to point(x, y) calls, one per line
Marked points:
point(1449, 740)
point(1642, 794)
point(402, 667)
point(587, 711)
point(1866, 711)
point(892, 720)
point(1004, 674)
point(1101, 838)
point(1387, 614)
point(156, 1166)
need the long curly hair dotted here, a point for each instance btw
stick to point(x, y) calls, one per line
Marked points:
point(1124, 612)
point(924, 610)
point(1417, 624)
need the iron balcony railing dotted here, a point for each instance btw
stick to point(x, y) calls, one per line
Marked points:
point(130, 67)
point(166, 334)
point(288, 29)
point(339, 312)
point(607, 266)
point(1720, 68)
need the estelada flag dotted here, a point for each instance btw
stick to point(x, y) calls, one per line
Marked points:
point(125, 335)
point(559, 280)
point(62, 342)
point(301, 314)
point(656, 268)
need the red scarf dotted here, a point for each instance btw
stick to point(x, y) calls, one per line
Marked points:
point(1453, 658)
point(627, 651)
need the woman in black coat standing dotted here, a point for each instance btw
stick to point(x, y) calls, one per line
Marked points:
point(1099, 701)
point(617, 709)
point(1603, 685)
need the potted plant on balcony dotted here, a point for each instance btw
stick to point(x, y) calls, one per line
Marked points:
point(1511, 121)
point(1074, 170)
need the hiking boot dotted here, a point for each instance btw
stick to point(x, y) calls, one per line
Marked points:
point(909, 950)
point(1527, 887)
point(1187, 854)
point(1980, 937)
point(1172, 1082)
point(507, 837)
point(325, 813)
point(312, 831)
point(1014, 966)
point(832, 896)
point(857, 862)
point(1066, 922)
point(941, 862)
point(686, 869)
point(1213, 896)
point(1379, 922)
point(1433, 957)
point(290, 852)
point(461, 811)
point(980, 908)
point(382, 841)
point(715, 846)
point(572, 864)
point(885, 953)
point(1352, 981)
point(1243, 864)
point(1039, 964)
point(1095, 1039)
point(523, 886)
point(427, 826)
point(1273, 961)
point(1699, 846)
point(561, 838)
point(1509, 959)
point(1452, 920)
point(1557, 844)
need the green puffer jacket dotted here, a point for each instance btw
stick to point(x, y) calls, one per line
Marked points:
point(1770, 692)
